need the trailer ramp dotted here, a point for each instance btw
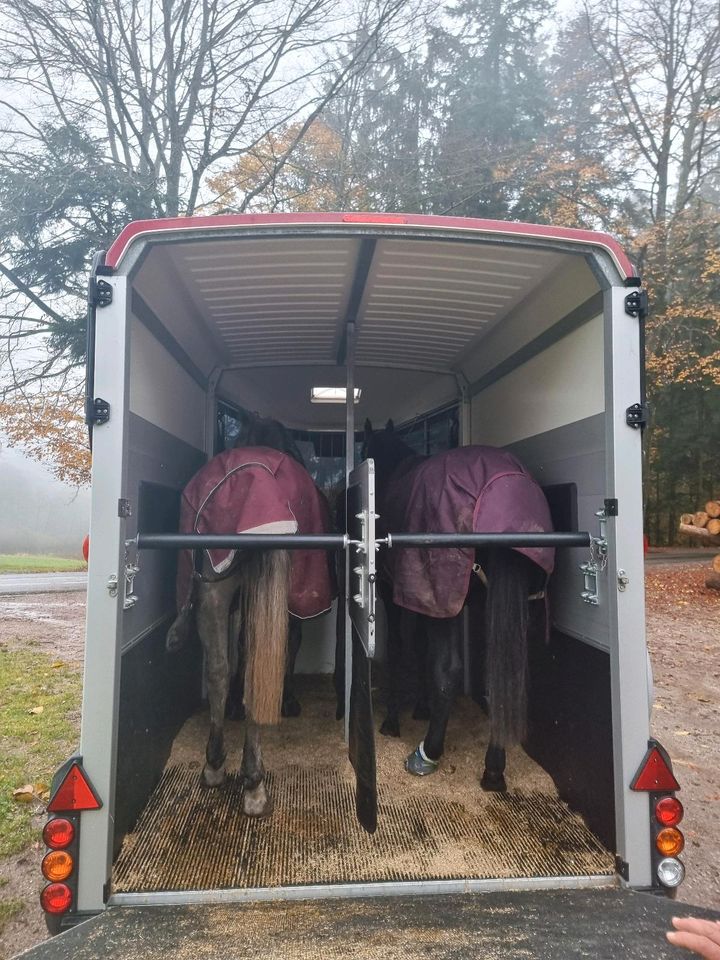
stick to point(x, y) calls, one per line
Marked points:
point(604, 924)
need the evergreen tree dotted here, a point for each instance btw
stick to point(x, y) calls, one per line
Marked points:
point(486, 77)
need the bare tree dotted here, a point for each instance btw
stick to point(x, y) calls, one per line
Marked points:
point(662, 62)
point(114, 109)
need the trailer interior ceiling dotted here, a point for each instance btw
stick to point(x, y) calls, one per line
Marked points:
point(507, 328)
point(271, 313)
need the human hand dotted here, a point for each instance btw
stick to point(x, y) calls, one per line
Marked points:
point(700, 936)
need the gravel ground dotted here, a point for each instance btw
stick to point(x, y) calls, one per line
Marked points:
point(684, 638)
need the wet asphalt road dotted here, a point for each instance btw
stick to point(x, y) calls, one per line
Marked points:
point(67, 582)
point(42, 582)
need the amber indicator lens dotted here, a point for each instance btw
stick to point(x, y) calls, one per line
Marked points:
point(669, 811)
point(58, 833)
point(57, 865)
point(670, 842)
point(56, 898)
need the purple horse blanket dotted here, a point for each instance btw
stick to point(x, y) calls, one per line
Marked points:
point(259, 490)
point(467, 490)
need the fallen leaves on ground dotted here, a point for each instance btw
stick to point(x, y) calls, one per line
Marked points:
point(672, 589)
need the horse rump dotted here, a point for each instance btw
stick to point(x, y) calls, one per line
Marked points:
point(264, 588)
point(509, 576)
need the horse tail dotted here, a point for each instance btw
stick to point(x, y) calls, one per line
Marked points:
point(264, 597)
point(506, 629)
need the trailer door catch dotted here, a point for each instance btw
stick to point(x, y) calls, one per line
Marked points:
point(97, 411)
point(100, 293)
point(636, 416)
point(636, 304)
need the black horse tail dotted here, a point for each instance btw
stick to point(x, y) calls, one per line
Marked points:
point(264, 599)
point(506, 629)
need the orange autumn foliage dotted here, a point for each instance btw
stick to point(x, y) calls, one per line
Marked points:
point(49, 428)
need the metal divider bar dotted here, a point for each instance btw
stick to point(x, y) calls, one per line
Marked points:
point(579, 539)
point(294, 541)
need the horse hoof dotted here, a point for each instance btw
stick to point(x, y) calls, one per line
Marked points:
point(421, 711)
point(213, 778)
point(291, 707)
point(420, 765)
point(390, 727)
point(257, 802)
point(340, 712)
point(493, 782)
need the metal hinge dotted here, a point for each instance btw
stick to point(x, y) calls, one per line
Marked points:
point(637, 416)
point(97, 411)
point(596, 564)
point(100, 293)
point(636, 304)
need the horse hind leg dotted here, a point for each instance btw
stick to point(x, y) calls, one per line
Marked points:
point(506, 627)
point(213, 621)
point(421, 710)
point(290, 703)
point(390, 726)
point(445, 662)
point(256, 800)
point(265, 587)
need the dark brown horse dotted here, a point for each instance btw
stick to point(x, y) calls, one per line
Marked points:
point(471, 489)
point(240, 601)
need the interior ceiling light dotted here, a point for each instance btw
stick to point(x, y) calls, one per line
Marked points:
point(331, 394)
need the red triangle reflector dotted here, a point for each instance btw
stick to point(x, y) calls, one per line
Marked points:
point(74, 793)
point(655, 774)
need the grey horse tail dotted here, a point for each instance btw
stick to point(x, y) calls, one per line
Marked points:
point(506, 629)
point(264, 599)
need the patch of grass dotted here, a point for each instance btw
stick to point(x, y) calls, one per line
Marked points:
point(33, 744)
point(38, 563)
point(8, 910)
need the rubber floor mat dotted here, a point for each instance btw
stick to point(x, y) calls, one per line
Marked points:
point(191, 838)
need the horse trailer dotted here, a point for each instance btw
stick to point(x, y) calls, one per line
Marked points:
point(524, 337)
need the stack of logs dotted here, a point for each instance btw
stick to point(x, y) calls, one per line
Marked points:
point(705, 525)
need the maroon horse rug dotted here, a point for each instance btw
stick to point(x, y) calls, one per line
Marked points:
point(472, 489)
point(258, 490)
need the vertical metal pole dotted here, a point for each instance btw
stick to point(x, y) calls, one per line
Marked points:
point(349, 466)
point(464, 439)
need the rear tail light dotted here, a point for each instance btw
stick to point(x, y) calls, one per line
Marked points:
point(58, 833)
point(670, 842)
point(57, 865)
point(669, 811)
point(670, 872)
point(56, 898)
point(86, 548)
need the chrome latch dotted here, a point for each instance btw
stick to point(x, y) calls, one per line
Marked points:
point(596, 564)
point(623, 580)
point(132, 569)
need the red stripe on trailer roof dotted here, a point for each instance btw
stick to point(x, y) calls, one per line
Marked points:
point(533, 231)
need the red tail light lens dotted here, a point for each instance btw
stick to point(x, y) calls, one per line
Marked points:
point(669, 811)
point(58, 833)
point(86, 548)
point(56, 898)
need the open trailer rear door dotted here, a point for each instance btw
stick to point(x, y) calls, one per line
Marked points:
point(533, 925)
point(361, 602)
